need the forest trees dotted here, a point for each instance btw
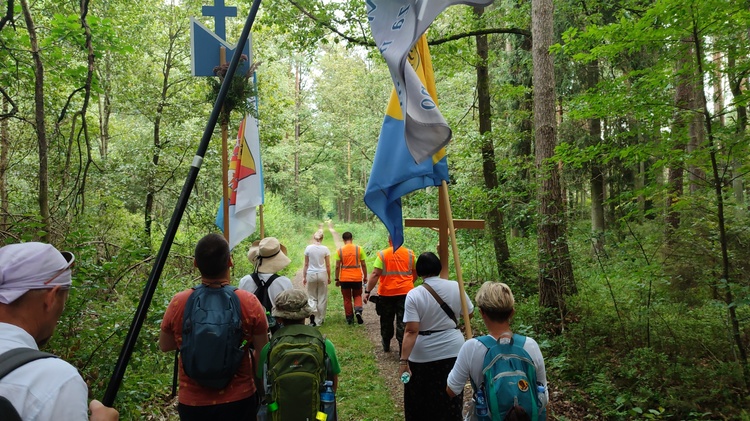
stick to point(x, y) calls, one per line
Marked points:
point(555, 270)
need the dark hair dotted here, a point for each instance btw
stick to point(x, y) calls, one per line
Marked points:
point(212, 256)
point(347, 236)
point(428, 265)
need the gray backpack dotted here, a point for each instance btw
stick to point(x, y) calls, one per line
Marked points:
point(212, 347)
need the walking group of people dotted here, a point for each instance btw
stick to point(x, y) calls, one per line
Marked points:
point(247, 353)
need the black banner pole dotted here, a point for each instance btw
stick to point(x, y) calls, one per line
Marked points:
point(153, 279)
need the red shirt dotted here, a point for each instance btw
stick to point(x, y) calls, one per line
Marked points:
point(242, 386)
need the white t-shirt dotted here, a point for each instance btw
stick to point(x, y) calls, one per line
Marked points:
point(470, 363)
point(43, 390)
point(316, 254)
point(282, 283)
point(422, 307)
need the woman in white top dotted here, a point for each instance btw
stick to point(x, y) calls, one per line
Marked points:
point(316, 275)
point(431, 343)
point(496, 306)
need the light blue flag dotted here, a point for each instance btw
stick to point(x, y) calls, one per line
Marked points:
point(396, 25)
point(394, 173)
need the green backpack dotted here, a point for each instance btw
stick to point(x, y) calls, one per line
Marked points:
point(296, 368)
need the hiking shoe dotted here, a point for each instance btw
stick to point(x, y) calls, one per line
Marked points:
point(312, 320)
point(359, 318)
point(349, 320)
point(386, 346)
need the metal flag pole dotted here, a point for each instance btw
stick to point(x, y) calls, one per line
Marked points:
point(153, 279)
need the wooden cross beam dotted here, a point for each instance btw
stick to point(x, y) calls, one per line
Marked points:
point(441, 225)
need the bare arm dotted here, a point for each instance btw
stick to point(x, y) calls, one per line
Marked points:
point(167, 341)
point(410, 338)
point(449, 392)
point(364, 271)
point(374, 276)
point(338, 271)
point(304, 270)
point(328, 268)
point(259, 341)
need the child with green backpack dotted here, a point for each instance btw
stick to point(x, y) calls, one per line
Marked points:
point(298, 366)
point(506, 369)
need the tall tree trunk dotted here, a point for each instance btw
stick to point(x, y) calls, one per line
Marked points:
point(597, 175)
point(718, 183)
point(520, 75)
point(684, 92)
point(151, 183)
point(4, 151)
point(39, 117)
point(495, 216)
point(297, 131)
point(555, 269)
point(105, 108)
point(735, 86)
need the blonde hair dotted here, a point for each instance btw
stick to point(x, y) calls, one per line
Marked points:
point(318, 235)
point(496, 300)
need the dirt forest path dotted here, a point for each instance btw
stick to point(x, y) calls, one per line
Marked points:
point(387, 362)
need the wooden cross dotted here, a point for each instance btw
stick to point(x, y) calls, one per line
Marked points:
point(441, 225)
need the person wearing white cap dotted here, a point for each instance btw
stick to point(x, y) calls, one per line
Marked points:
point(34, 282)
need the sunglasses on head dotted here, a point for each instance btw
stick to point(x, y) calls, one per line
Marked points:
point(71, 259)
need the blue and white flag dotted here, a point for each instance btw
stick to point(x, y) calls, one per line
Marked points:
point(396, 25)
point(394, 172)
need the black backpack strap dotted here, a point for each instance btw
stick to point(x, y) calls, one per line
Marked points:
point(10, 361)
point(17, 357)
point(443, 305)
point(271, 279)
point(259, 283)
point(256, 279)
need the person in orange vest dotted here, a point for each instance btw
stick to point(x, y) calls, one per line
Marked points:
point(395, 273)
point(351, 272)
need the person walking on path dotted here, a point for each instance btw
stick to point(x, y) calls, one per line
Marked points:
point(395, 275)
point(497, 307)
point(316, 275)
point(238, 400)
point(35, 281)
point(431, 343)
point(268, 256)
point(291, 311)
point(351, 272)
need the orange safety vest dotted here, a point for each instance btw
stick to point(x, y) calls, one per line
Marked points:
point(397, 277)
point(351, 267)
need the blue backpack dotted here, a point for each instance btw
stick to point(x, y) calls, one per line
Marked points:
point(212, 336)
point(510, 379)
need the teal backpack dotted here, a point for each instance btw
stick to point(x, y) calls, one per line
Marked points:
point(212, 336)
point(295, 370)
point(510, 379)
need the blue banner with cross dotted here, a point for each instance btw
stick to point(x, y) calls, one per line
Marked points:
point(205, 44)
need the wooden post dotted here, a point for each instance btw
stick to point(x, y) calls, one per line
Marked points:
point(446, 203)
point(446, 227)
point(224, 158)
point(262, 227)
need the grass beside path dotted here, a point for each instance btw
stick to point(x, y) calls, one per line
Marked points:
point(363, 393)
